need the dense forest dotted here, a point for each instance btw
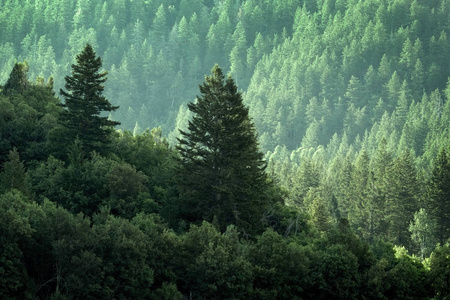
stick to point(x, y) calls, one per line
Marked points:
point(235, 149)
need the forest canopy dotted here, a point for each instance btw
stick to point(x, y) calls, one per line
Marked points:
point(313, 162)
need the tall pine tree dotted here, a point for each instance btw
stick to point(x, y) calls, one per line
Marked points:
point(439, 196)
point(85, 103)
point(222, 173)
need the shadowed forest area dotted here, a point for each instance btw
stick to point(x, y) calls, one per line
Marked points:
point(236, 149)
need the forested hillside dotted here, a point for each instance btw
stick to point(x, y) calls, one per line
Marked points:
point(156, 52)
point(312, 162)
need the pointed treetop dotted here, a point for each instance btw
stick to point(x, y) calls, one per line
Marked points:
point(17, 81)
point(85, 103)
point(222, 172)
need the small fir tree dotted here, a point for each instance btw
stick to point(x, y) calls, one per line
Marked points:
point(17, 82)
point(422, 229)
point(85, 103)
point(13, 174)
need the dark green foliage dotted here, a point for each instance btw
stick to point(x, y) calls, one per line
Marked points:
point(85, 104)
point(149, 153)
point(339, 265)
point(163, 247)
point(407, 280)
point(17, 82)
point(168, 291)
point(439, 196)
point(214, 265)
point(124, 247)
point(396, 275)
point(85, 185)
point(14, 228)
point(59, 256)
point(221, 169)
point(439, 274)
point(336, 260)
point(279, 267)
point(287, 220)
point(74, 257)
point(13, 174)
point(128, 186)
point(28, 112)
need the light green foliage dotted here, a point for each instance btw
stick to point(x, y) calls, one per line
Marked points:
point(403, 198)
point(306, 177)
point(423, 230)
point(319, 212)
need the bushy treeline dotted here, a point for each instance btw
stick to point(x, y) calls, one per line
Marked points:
point(50, 253)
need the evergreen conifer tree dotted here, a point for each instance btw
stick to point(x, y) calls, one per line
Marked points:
point(17, 81)
point(439, 196)
point(13, 174)
point(85, 103)
point(423, 229)
point(222, 172)
point(402, 202)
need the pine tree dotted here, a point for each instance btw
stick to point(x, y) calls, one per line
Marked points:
point(159, 27)
point(356, 188)
point(17, 82)
point(319, 212)
point(13, 174)
point(85, 103)
point(439, 196)
point(222, 173)
point(402, 202)
point(422, 229)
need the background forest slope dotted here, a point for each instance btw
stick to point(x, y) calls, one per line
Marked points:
point(310, 69)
